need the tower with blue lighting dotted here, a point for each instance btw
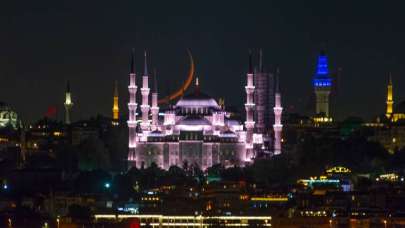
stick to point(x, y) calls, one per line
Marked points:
point(322, 85)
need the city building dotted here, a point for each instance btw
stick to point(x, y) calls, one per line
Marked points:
point(322, 83)
point(196, 130)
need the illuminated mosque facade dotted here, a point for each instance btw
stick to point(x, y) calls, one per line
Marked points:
point(195, 130)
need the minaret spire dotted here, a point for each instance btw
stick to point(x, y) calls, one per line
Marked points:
point(277, 80)
point(145, 63)
point(250, 70)
point(390, 101)
point(132, 66)
point(68, 103)
point(390, 79)
point(115, 108)
point(155, 88)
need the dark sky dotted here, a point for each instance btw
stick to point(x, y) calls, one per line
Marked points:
point(45, 43)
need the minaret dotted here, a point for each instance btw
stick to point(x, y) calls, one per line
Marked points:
point(390, 101)
point(277, 127)
point(155, 108)
point(115, 108)
point(132, 105)
point(145, 97)
point(68, 104)
point(322, 86)
point(249, 106)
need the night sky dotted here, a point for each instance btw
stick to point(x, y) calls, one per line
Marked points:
point(45, 43)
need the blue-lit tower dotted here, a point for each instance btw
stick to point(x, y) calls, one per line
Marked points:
point(322, 86)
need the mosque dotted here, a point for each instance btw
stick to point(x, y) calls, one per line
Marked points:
point(195, 130)
point(397, 113)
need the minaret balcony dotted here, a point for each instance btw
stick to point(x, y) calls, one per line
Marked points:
point(249, 89)
point(250, 124)
point(131, 123)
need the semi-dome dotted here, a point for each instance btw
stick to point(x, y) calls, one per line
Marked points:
point(194, 120)
point(193, 123)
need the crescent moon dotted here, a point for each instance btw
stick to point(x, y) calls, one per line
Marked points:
point(184, 87)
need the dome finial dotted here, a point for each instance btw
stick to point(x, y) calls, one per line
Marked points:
point(197, 85)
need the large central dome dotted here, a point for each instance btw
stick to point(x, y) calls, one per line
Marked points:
point(197, 100)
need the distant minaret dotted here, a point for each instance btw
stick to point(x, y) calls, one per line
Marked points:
point(278, 127)
point(145, 97)
point(322, 85)
point(249, 106)
point(132, 105)
point(68, 104)
point(115, 108)
point(390, 100)
point(155, 107)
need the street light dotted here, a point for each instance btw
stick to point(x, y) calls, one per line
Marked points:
point(107, 185)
